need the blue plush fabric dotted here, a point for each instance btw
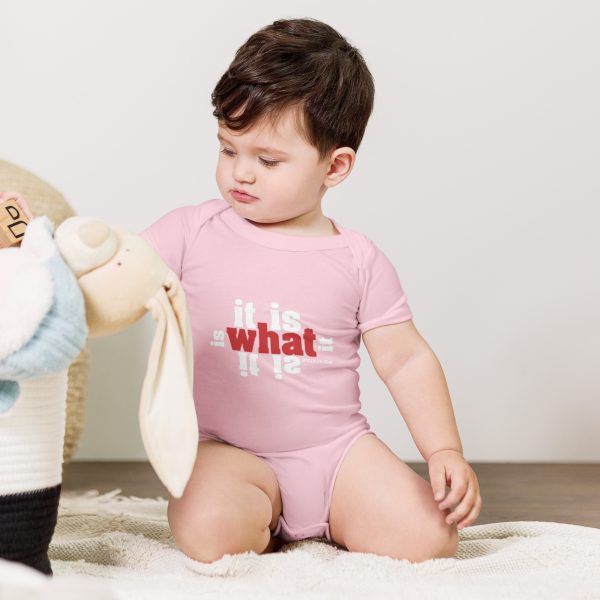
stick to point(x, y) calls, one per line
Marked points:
point(62, 333)
point(9, 391)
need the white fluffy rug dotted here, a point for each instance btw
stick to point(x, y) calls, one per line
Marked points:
point(110, 546)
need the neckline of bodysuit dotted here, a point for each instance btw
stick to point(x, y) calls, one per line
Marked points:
point(282, 241)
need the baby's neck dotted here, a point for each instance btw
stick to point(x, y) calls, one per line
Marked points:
point(323, 228)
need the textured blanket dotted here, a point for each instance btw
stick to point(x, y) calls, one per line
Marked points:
point(109, 546)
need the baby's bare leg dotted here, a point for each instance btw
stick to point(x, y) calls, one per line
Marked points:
point(380, 505)
point(230, 505)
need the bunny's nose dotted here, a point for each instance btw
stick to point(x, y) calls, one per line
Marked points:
point(94, 233)
point(85, 243)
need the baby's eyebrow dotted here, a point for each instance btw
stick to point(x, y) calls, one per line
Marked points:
point(267, 149)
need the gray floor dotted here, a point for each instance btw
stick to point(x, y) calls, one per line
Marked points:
point(564, 493)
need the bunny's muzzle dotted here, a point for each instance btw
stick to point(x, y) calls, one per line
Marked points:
point(85, 243)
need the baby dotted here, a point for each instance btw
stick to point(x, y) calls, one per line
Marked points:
point(279, 296)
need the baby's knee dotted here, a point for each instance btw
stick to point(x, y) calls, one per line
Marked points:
point(439, 539)
point(206, 532)
point(197, 531)
point(433, 538)
point(445, 542)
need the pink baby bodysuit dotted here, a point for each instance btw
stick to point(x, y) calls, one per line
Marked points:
point(276, 322)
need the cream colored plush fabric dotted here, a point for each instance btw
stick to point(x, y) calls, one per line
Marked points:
point(122, 547)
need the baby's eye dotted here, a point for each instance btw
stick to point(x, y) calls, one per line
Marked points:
point(264, 161)
point(269, 163)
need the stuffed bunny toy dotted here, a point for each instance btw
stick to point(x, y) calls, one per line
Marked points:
point(86, 279)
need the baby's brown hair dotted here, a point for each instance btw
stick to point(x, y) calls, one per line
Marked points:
point(303, 64)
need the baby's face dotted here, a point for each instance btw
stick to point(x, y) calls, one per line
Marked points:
point(276, 166)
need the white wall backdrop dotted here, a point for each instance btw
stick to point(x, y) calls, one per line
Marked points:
point(478, 176)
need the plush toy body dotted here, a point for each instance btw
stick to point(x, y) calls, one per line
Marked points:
point(86, 279)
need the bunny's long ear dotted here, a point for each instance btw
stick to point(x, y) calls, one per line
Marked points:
point(167, 413)
point(178, 303)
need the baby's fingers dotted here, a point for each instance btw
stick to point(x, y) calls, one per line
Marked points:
point(437, 476)
point(472, 516)
point(463, 507)
point(466, 504)
point(458, 489)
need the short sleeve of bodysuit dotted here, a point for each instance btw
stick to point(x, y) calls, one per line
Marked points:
point(276, 322)
point(383, 300)
point(168, 236)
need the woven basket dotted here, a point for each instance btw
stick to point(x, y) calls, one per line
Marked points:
point(43, 199)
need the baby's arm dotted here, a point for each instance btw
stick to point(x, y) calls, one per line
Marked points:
point(411, 371)
point(414, 376)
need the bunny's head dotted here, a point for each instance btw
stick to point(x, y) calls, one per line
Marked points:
point(117, 271)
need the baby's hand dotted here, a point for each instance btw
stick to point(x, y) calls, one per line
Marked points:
point(450, 466)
